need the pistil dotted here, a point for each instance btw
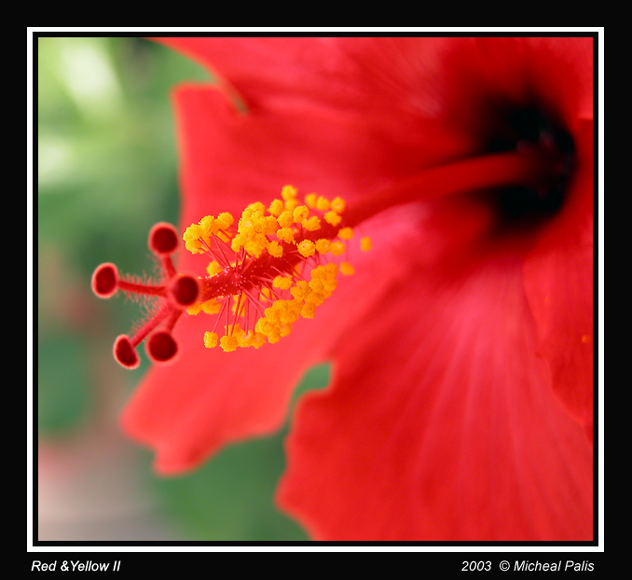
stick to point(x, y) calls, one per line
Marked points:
point(461, 176)
point(272, 267)
point(278, 263)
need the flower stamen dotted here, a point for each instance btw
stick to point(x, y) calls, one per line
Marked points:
point(274, 248)
point(267, 269)
point(461, 176)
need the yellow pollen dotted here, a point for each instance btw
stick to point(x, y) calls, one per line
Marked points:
point(286, 219)
point(286, 234)
point(283, 282)
point(269, 225)
point(289, 192)
point(365, 244)
point(301, 213)
point(257, 206)
point(345, 234)
point(338, 204)
point(276, 208)
point(337, 248)
point(291, 311)
point(306, 248)
point(310, 200)
point(275, 249)
point(208, 227)
point(316, 298)
point(301, 290)
point(228, 343)
point(323, 245)
point(237, 242)
point(329, 270)
point(312, 224)
point(211, 306)
point(191, 237)
point(291, 204)
point(213, 268)
point(317, 286)
point(322, 203)
point(331, 217)
point(210, 339)
point(347, 269)
point(246, 339)
point(269, 268)
point(256, 245)
point(308, 310)
point(224, 220)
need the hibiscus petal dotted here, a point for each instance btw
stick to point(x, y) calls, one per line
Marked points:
point(230, 160)
point(554, 74)
point(441, 423)
point(261, 68)
point(404, 77)
point(559, 285)
point(350, 73)
point(207, 398)
point(185, 411)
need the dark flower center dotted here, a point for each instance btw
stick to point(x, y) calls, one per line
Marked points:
point(530, 129)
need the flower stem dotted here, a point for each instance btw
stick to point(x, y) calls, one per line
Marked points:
point(487, 171)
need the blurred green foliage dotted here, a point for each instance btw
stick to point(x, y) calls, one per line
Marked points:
point(107, 171)
point(106, 147)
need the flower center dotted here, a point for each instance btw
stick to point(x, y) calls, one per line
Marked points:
point(275, 265)
point(525, 170)
point(528, 129)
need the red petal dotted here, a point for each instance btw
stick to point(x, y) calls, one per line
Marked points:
point(404, 77)
point(440, 423)
point(559, 285)
point(349, 73)
point(552, 73)
point(230, 160)
point(208, 398)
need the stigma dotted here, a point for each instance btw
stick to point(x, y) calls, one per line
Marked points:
point(273, 265)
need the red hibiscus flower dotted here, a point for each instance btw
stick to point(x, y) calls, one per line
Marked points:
point(460, 407)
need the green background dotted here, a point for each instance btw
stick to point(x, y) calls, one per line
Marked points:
point(107, 170)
